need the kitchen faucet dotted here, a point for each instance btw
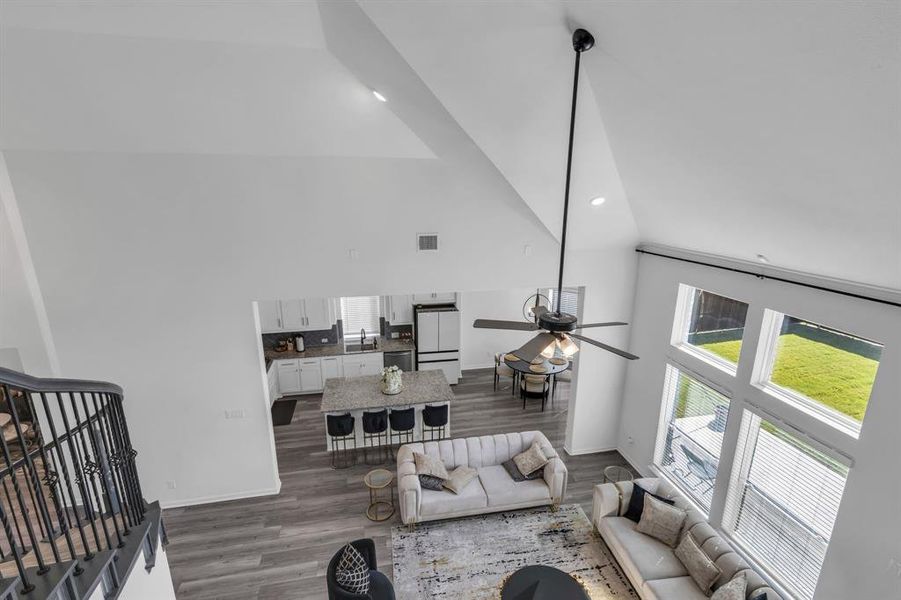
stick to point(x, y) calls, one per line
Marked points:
point(362, 336)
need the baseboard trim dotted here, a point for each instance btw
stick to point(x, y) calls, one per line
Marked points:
point(471, 367)
point(588, 450)
point(183, 502)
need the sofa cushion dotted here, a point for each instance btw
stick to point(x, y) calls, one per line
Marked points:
point(703, 570)
point(471, 497)
point(636, 502)
point(734, 589)
point(644, 556)
point(503, 491)
point(430, 482)
point(660, 520)
point(429, 465)
point(672, 588)
point(459, 478)
point(514, 472)
point(531, 460)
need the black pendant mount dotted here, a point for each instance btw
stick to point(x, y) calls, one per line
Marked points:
point(582, 40)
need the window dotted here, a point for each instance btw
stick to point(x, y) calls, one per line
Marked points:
point(569, 300)
point(360, 312)
point(827, 371)
point(691, 434)
point(782, 501)
point(710, 324)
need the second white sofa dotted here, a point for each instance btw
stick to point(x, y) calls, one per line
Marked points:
point(492, 491)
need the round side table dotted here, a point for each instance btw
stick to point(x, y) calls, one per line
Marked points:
point(379, 509)
point(615, 473)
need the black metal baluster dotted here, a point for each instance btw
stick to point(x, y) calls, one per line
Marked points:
point(43, 514)
point(16, 552)
point(42, 567)
point(101, 473)
point(9, 503)
point(89, 469)
point(122, 460)
point(62, 460)
point(130, 455)
point(103, 421)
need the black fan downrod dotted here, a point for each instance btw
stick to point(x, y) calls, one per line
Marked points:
point(558, 320)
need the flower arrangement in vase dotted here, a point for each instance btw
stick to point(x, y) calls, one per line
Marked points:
point(392, 382)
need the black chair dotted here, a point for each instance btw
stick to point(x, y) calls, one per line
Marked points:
point(375, 434)
point(379, 586)
point(434, 421)
point(402, 422)
point(534, 386)
point(341, 430)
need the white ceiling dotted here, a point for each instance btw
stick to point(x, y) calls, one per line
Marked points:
point(730, 128)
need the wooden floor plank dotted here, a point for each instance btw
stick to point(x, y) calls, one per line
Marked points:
point(279, 546)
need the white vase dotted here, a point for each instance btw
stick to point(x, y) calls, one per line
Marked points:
point(393, 384)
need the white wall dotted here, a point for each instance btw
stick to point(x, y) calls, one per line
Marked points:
point(867, 532)
point(155, 585)
point(478, 346)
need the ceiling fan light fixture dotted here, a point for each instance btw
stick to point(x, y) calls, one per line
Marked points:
point(548, 352)
point(567, 346)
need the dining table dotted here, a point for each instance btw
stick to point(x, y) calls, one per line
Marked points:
point(545, 368)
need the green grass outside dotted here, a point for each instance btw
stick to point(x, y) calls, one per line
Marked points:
point(836, 378)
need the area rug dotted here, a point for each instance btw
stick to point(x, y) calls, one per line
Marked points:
point(470, 558)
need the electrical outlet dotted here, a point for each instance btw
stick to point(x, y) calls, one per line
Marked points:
point(237, 413)
point(630, 439)
point(394, 335)
point(170, 484)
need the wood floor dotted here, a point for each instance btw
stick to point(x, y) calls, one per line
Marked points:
point(279, 546)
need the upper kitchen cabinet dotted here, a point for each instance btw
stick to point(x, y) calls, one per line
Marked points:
point(400, 310)
point(435, 298)
point(309, 314)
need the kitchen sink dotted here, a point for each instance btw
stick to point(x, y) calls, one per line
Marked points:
point(354, 348)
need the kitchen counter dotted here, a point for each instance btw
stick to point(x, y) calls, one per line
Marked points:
point(385, 345)
point(360, 393)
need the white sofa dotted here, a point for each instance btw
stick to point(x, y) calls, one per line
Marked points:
point(651, 565)
point(493, 490)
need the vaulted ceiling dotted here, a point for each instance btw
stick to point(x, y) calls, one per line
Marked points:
point(732, 128)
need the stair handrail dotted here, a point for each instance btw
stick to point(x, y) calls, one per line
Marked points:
point(52, 384)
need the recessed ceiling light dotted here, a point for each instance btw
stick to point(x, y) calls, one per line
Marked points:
point(378, 96)
point(597, 201)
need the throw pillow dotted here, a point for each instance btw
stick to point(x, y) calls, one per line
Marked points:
point(660, 520)
point(459, 478)
point(699, 566)
point(352, 572)
point(636, 502)
point(734, 590)
point(429, 465)
point(430, 482)
point(531, 460)
point(760, 596)
point(515, 474)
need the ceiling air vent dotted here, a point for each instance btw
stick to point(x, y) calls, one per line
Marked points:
point(427, 242)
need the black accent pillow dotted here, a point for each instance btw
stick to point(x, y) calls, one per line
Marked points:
point(430, 482)
point(636, 502)
point(515, 474)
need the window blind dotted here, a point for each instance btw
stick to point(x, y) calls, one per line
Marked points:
point(360, 312)
point(569, 300)
point(690, 436)
point(782, 502)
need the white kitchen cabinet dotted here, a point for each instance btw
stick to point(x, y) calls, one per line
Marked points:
point(400, 309)
point(332, 366)
point(427, 331)
point(370, 363)
point(288, 376)
point(270, 315)
point(310, 374)
point(435, 298)
point(293, 315)
point(450, 369)
point(316, 314)
point(272, 377)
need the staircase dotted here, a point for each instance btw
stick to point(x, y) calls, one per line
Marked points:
point(72, 513)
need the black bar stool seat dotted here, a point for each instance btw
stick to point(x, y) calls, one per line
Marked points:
point(340, 430)
point(375, 434)
point(434, 421)
point(402, 422)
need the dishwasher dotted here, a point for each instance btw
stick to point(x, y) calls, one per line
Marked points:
point(403, 359)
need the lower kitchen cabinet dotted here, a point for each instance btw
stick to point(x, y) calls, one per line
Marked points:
point(310, 375)
point(332, 366)
point(288, 376)
point(370, 363)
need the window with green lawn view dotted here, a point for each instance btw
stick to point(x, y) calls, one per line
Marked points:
point(691, 431)
point(831, 370)
point(711, 323)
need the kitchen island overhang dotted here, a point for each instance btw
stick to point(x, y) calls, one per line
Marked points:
point(356, 395)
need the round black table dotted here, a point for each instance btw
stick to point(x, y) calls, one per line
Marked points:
point(538, 582)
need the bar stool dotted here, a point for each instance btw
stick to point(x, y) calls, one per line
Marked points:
point(402, 422)
point(375, 428)
point(434, 420)
point(341, 429)
point(534, 386)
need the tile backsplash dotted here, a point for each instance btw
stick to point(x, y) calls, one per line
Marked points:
point(311, 339)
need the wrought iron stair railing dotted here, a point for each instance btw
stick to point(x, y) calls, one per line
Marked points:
point(69, 487)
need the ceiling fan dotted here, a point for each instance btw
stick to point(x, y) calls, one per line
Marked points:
point(557, 327)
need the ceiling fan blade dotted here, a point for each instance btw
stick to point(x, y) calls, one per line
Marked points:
point(610, 324)
point(603, 346)
point(512, 325)
point(535, 346)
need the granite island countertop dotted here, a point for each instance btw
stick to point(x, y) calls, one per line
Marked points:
point(360, 393)
point(385, 345)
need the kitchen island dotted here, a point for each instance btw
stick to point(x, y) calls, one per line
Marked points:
point(355, 395)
